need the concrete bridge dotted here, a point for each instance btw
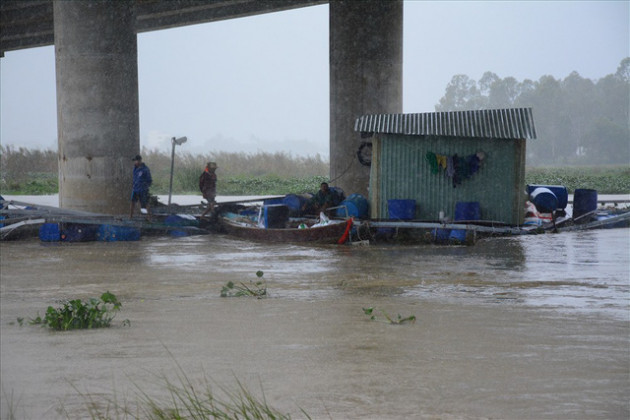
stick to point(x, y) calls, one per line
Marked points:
point(97, 79)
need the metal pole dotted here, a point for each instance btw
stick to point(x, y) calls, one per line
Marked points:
point(170, 188)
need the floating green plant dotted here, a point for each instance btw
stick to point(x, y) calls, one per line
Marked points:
point(76, 314)
point(397, 321)
point(256, 289)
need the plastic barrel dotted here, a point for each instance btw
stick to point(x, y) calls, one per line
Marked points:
point(270, 201)
point(467, 210)
point(464, 210)
point(441, 235)
point(357, 207)
point(75, 232)
point(584, 201)
point(544, 200)
point(112, 233)
point(338, 195)
point(560, 191)
point(295, 202)
point(401, 209)
point(180, 220)
point(49, 232)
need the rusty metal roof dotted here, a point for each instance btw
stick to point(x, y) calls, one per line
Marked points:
point(511, 123)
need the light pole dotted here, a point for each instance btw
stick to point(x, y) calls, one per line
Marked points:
point(174, 142)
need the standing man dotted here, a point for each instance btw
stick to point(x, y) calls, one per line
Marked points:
point(141, 182)
point(208, 186)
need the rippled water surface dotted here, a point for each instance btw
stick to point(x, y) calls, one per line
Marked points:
point(523, 327)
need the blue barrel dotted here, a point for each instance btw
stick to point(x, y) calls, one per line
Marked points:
point(464, 210)
point(270, 201)
point(457, 235)
point(180, 220)
point(338, 195)
point(76, 232)
point(544, 200)
point(584, 201)
point(49, 232)
point(113, 233)
point(357, 206)
point(467, 210)
point(295, 202)
point(560, 191)
point(179, 233)
point(441, 235)
point(401, 209)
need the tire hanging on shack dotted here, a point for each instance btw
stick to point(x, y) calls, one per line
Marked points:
point(364, 153)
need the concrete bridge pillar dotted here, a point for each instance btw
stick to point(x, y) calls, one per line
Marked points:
point(365, 77)
point(96, 58)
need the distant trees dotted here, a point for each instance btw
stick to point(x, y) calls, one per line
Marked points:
point(578, 121)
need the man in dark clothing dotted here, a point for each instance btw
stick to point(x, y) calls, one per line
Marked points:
point(141, 182)
point(208, 186)
point(321, 201)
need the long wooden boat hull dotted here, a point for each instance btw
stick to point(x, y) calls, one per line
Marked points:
point(322, 234)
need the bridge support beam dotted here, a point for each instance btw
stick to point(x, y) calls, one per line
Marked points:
point(365, 77)
point(96, 59)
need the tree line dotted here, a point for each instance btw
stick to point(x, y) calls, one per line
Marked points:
point(578, 121)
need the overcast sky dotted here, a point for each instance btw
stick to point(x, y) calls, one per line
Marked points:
point(262, 83)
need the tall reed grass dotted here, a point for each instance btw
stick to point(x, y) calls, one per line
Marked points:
point(24, 171)
point(184, 398)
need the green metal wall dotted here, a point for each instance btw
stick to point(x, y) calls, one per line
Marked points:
point(401, 171)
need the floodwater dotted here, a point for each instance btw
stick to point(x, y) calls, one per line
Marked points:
point(534, 327)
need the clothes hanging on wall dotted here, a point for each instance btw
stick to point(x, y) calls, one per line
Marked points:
point(457, 168)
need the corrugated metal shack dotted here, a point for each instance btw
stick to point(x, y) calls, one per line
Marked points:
point(442, 158)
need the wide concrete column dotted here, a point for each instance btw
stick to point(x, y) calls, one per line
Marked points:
point(96, 56)
point(365, 78)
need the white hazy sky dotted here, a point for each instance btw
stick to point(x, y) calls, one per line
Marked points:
point(261, 83)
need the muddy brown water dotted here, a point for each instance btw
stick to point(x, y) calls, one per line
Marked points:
point(512, 328)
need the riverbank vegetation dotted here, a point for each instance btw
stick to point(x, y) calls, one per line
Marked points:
point(34, 172)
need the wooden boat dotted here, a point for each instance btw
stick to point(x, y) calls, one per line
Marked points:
point(329, 233)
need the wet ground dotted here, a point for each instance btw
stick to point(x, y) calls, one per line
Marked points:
point(534, 327)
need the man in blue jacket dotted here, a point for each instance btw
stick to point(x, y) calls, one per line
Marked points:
point(141, 182)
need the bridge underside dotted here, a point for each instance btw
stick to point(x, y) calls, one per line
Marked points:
point(28, 24)
point(97, 82)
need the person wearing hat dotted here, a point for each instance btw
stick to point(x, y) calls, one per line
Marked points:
point(208, 186)
point(141, 182)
